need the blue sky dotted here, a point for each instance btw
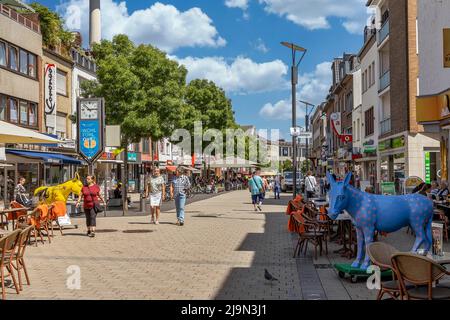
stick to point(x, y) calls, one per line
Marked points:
point(236, 43)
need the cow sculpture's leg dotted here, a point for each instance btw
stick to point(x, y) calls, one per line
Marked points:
point(359, 255)
point(418, 227)
point(368, 239)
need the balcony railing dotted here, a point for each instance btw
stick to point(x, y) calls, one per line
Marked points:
point(384, 32)
point(385, 126)
point(385, 80)
point(14, 15)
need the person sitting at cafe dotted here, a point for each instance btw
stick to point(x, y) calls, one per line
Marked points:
point(118, 193)
point(426, 189)
point(434, 189)
point(443, 191)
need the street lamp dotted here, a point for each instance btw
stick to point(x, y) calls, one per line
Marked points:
point(307, 115)
point(294, 80)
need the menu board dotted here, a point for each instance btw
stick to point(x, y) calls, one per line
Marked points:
point(438, 238)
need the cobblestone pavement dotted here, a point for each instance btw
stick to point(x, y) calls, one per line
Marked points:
point(220, 253)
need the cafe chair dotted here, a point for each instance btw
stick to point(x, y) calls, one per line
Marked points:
point(421, 272)
point(18, 261)
point(380, 254)
point(307, 233)
point(7, 251)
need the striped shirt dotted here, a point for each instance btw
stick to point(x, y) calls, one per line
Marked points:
point(180, 185)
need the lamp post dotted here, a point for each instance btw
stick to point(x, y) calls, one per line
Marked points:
point(307, 116)
point(294, 80)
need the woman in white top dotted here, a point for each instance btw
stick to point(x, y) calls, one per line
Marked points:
point(156, 189)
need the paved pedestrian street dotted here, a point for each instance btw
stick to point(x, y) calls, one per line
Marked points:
point(220, 253)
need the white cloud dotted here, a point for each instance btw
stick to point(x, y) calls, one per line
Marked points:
point(314, 14)
point(241, 75)
point(313, 88)
point(241, 4)
point(161, 25)
point(261, 46)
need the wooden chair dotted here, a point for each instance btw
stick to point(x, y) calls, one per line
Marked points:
point(18, 261)
point(8, 248)
point(40, 220)
point(380, 254)
point(444, 220)
point(423, 273)
point(313, 217)
point(307, 233)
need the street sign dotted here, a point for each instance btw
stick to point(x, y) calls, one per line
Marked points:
point(295, 132)
point(91, 126)
point(305, 135)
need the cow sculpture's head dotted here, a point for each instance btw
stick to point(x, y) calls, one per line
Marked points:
point(338, 198)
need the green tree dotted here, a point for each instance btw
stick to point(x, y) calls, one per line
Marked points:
point(52, 27)
point(287, 165)
point(306, 165)
point(143, 90)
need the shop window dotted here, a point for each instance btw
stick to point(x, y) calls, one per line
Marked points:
point(2, 107)
point(2, 54)
point(13, 59)
point(13, 113)
point(24, 112)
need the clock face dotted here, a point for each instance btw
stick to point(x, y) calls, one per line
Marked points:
point(89, 110)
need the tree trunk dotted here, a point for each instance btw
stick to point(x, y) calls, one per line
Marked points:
point(125, 182)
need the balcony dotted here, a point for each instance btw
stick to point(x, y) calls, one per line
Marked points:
point(384, 32)
point(385, 80)
point(14, 15)
point(385, 126)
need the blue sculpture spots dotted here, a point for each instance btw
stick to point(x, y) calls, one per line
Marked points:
point(372, 213)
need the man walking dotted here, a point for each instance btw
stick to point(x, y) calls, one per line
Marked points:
point(277, 187)
point(310, 185)
point(256, 188)
point(178, 188)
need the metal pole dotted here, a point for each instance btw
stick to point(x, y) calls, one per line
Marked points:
point(294, 80)
point(307, 140)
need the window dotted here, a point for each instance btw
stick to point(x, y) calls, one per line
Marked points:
point(32, 65)
point(13, 116)
point(23, 61)
point(370, 76)
point(33, 115)
point(2, 54)
point(145, 146)
point(3, 104)
point(373, 73)
point(13, 63)
point(369, 125)
point(61, 82)
point(23, 112)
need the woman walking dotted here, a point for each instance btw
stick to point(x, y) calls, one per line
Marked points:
point(156, 188)
point(90, 194)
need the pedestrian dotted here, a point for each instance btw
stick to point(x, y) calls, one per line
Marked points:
point(266, 187)
point(443, 191)
point(156, 189)
point(277, 187)
point(20, 193)
point(310, 185)
point(322, 185)
point(178, 188)
point(90, 194)
point(256, 188)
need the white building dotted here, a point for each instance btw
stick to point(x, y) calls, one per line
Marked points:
point(433, 103)
point(84, 69)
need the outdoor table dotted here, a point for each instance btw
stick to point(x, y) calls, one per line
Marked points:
point(442, 260)
point(345, 231)
point(4, 233)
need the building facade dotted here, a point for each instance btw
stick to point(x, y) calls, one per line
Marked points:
point(433, 103)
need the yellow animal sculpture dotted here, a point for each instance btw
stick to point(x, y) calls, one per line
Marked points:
point(57, 196)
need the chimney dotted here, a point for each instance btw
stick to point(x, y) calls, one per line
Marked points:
point(95, 25)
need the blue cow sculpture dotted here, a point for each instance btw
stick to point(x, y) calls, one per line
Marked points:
point(372, 213)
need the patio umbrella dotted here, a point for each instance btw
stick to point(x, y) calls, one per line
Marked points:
point(10, 133)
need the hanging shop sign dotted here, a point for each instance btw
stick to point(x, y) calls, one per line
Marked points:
point(427, 167)
point(394, 143)
point(336, 123)
point(50, 96)
point(91, 126)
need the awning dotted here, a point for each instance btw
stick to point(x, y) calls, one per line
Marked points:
point(192, 169)
point(51, 158)
point(433, 108)
point(231, 162)
point(10, 133)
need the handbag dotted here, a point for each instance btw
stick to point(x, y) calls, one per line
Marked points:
point(97, 207)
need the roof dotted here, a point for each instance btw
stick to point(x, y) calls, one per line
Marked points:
point(17, 4)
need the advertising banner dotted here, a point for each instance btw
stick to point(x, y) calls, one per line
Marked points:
point(50, 96)
point(336, 123)
point(91, 127)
